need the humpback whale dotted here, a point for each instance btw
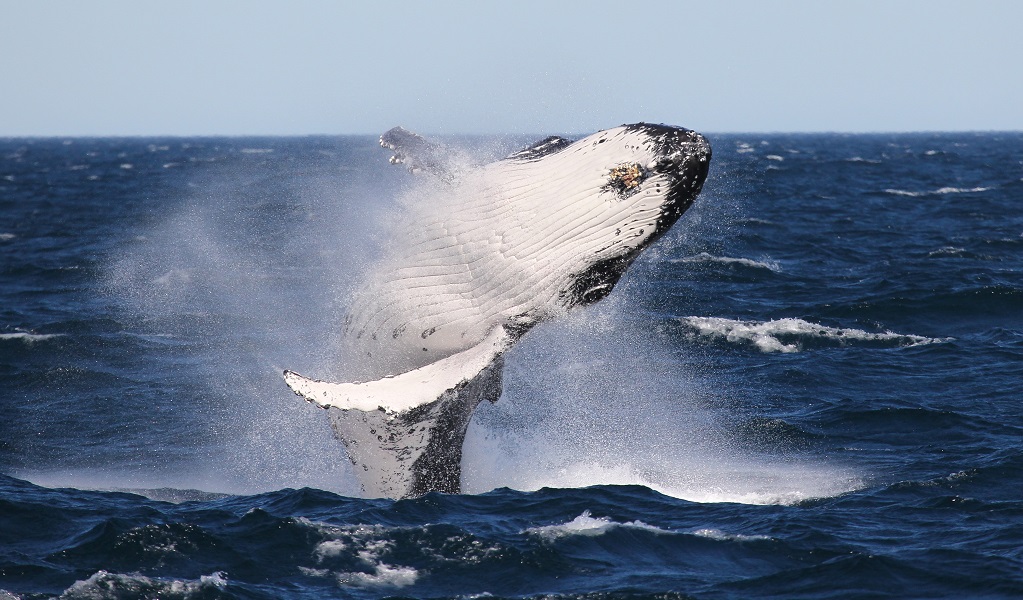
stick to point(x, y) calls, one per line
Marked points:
point(500, 248)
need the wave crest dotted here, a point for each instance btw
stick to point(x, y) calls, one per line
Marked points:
point(704, 257)
point(794, 335)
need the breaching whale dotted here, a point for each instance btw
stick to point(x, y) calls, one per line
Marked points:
point(502, 247)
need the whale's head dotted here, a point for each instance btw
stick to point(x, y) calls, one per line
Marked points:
point(613, 193)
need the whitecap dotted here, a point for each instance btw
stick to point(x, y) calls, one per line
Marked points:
point(256, 150)
point(382, 576)
point(904, 193)
point(370, 544)
point(104, 584)
point(7, 236)
point(955, 190)
point(127, 166)
point(774, 157)
point(771, 336)
point(717, 534)
point(705, 257)
point(29, 338)
point(939, 192)
point(588, 526)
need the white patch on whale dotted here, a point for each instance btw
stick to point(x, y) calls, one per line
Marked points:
point(500, 248)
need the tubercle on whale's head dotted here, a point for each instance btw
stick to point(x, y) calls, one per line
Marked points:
point(681, 154)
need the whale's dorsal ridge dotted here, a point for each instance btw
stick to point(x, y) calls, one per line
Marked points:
point(420, 155)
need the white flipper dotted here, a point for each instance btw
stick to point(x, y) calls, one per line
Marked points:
point(404, 434)
point(409, 390)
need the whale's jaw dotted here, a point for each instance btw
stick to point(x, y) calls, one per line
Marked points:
point(513, 243)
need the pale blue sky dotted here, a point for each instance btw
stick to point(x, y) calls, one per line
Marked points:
point(306, 67)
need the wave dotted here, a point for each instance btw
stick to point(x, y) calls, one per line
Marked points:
point(29, 338)
point(104, 584)
point(355, 555)
point(938, 192)
point(794, 335)
point(704, 257)
point(587, 525)
point(717, 534)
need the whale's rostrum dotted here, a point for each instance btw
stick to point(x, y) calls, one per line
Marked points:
point(500, 248)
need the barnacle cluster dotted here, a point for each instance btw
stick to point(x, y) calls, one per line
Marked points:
point(625, 179)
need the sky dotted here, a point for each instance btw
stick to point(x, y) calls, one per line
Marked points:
point(298, 67)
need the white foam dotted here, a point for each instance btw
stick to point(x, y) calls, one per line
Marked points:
point(370, 544)
point(717, 534)
point(7, 236)
point(587, 525)
point(767, 335)
point(939, 191)
point(29, 338)
point(775, 157)
point(127, 166)
point(382, 576)
point(955, 190)
point(104, 584)
point(256, 150)
point(704, 257)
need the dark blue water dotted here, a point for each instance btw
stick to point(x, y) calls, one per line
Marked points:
point(812, 387)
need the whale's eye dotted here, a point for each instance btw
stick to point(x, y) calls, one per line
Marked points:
point(624, 179)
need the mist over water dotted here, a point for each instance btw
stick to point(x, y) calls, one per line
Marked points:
point(244, 279)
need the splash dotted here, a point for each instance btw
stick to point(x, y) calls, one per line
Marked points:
point(237, 283)
point(597, 399)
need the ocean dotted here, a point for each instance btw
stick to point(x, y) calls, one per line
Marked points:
point(810, 387)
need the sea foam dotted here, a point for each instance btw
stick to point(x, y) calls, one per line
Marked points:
point(794, 335)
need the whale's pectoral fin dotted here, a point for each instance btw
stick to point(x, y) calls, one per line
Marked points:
point(421, 155)
point(404, 433)
point(541, 149)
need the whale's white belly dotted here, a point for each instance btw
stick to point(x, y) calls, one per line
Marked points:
point(501, 247)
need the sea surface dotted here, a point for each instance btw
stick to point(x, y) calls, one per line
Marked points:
point(811, 387)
